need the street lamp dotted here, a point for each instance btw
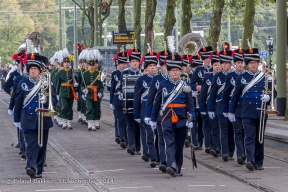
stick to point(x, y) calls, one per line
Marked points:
point(269, 43)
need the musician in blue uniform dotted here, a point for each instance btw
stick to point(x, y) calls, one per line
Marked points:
point(196, 82)
point(115, 103)
point(210, 126)
point(227, 93)
point(27, 99)
point(175, 104)
point(115, 83)
point(154, 86)
point(215, 106)
point(142, 87)
point(249, 87)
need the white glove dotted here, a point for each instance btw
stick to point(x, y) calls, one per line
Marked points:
point(137, 120)
point(112, 106)
point(99, 95)
point(120, 97)
point(17, 124)
point(189, 125)
point(43, 99)
point(265, 98)
point(76, 84)
point(194, 94)
point(211, 114)
point(58, 97)
point(85, 91)
point(10, 112)
point(83, 97)
point(147, 120)
point(225, 114)
point(153, 124)
point(203, 113)
point(231, 117)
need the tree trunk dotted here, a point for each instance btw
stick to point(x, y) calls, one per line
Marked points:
point(121, 18)
point(91, 22)
point(215, 25)
point(137, 23)
point(149, 17)
point(170, 19)
point(248, 22)
point(186, 17)
point(102, 18)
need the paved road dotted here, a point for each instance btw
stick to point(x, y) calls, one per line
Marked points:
point(99, 164)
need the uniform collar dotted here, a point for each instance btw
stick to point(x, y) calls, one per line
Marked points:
point(206, 67)
point(134, 70)
point(67, 69)
point(224, 72)
point(238, 72)
point(34, 81)
point(174, 82)
point(120, 70)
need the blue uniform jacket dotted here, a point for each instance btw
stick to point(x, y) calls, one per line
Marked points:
point(26, 115)
point(142, 87)
point(8, 86)
point(198, 75)
point(215, 99)
point(128, 71)
point(251, 98)
point(15, 85)
point(184, 96)
point(205, 91)
point(228, 92)
point(115, 88)
point(155, 83)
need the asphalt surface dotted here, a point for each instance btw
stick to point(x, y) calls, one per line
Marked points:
point(82, 160)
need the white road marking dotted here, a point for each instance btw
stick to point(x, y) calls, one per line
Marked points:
point(201, 185)
point(107, 170)
point(49, 172)
point(130, 187)
point(271, 167)
point(55, 190)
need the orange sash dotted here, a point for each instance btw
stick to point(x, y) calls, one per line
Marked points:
point(94, 88)
point(72, 88)
point(174, 116)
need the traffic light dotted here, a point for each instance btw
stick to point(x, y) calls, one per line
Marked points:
point(105, 7)
point(225, 46)
point(271, 49)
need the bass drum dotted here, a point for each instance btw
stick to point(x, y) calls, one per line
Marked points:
point(128, 88)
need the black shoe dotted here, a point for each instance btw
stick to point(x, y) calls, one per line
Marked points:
point(30, 172)
point(45, 165)
point(63, 127)
point(145, 158)
point(225, 157)
point(153, 164)
point(179, 175)
point(231, 158)
point(195, 147)
point(186, 143)
point(171, 171)
point(70, 127)
point(80, 120)
point(131, 151)
point(162, 168)
point(250, 166)
point(259, 168)
point(240, 160)
point(117, 140)
point(137, 153)
point(199, 148)
point(38, 176)
point(123, 145)
point(17, 145)
point(214, 153)
point(23, 157)
point(207, 150)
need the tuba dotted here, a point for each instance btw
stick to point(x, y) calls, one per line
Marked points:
point(106, 77)
point(190, 43)
point(37, 41)
point(45, 83)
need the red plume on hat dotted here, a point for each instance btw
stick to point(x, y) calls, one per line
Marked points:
point(129, 52)
point(15, 56)
point(182, 57)
point(211, 55)
point(22, 58)
point(190, 58)
point(116, 57)
point(142, 60)
point(158, 55)
point(25, 59)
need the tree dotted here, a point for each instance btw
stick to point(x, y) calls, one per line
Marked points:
point(215, 25)
point(149, 18)
point(248, 22)
point(121, 17)
point(170, 19)
point(137, 22)
point(186, 17)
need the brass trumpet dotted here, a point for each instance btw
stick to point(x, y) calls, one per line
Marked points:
point(45, 83)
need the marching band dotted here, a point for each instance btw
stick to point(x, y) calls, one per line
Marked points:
point(217, 97)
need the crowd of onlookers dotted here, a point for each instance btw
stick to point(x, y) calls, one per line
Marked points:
point(3, 73)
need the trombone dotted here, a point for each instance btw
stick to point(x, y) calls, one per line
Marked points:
point(269, 78)
point(45, 83)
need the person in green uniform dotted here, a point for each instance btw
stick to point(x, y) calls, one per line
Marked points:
point(93, 90)
point(65, 90)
